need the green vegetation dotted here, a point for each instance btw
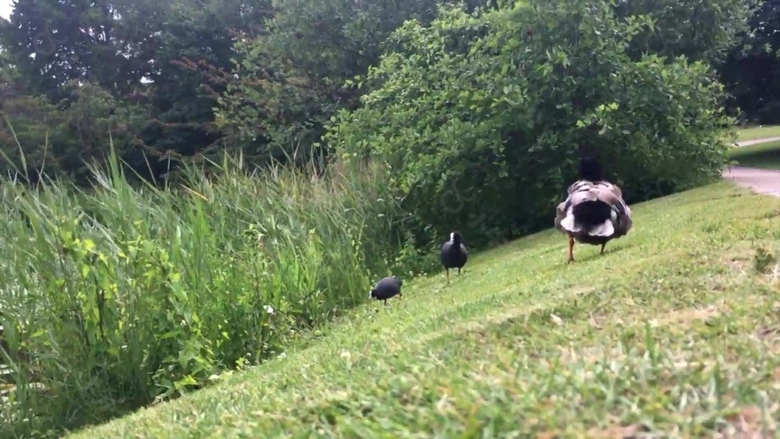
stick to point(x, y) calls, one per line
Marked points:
point(754, 133)
point(762, 155)
point(671, 327)
point(474, 106)
point(115, 297)
point(264, 77)
point(270, 159)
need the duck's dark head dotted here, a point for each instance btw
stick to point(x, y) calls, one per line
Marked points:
point(590, 169)
point(455, 238)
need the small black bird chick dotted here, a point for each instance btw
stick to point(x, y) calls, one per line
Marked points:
point(386, 288)
point(453, 254)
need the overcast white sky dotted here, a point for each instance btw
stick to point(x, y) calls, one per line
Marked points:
point(5, 8)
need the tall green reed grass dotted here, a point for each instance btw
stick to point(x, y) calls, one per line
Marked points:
point(114, 297)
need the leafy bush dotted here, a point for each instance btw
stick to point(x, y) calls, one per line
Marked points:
point(290, 79)
point(37, 136)
point(478, 118)
point(120, 295)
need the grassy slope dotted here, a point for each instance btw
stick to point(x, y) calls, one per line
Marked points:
point(762, 155)
point(758, 132)
point(671, 327)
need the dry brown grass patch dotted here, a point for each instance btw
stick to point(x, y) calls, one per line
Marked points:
point(619, 432)
point(749, 423)
point(686, 316)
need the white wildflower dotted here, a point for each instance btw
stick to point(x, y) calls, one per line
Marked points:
point(269, 309)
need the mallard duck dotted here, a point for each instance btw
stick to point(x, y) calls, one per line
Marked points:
point(386, 288)
point(453, 254)
point(594, 211)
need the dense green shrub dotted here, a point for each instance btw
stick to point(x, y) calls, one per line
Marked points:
point(37, 136)
point(290, 80)
point(478, 118)
point(120, 295)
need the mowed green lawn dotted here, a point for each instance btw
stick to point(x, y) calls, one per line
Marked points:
point(674, 330)
point(761, 155)
point(758, 132)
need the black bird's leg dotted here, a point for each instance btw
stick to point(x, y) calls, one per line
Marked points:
point(602, 248)
point(448, 275)
point(571, 249)
point(458, 270)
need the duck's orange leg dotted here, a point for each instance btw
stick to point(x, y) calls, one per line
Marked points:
point(571, 249)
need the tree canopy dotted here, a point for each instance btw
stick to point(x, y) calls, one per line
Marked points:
point(497, 107)
point(362, 132)
point(485, 96)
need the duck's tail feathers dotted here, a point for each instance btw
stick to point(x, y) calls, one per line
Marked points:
point(590, 217)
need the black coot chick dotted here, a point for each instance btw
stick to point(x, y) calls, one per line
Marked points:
point(386, 288)
point(453, 254)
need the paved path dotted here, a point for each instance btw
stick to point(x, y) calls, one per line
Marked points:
point(763, 181)
point(755, 141)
